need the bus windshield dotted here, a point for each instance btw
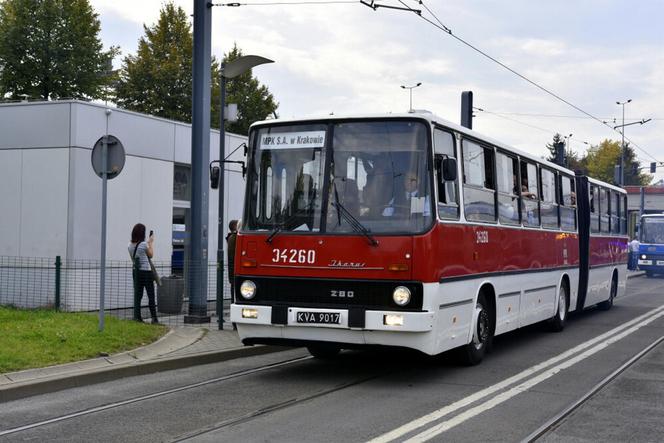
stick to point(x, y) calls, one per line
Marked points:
point(652, 230)
point(374, 174)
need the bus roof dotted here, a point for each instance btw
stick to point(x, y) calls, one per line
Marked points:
point(432, 118)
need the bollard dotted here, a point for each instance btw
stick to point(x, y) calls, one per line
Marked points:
point(58, 270)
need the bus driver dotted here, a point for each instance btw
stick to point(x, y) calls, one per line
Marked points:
point(403, 204)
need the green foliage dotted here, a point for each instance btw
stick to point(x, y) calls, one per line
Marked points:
point(601, 161)
point(158, 79)
point(572, 159)
point(50, 49)
point(255, 102)
point(39, 338)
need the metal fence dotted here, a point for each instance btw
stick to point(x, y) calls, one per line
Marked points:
point(74, 286)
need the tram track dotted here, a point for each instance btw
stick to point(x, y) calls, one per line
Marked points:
point(552, 423)
point(153, 395)
point(275, 407)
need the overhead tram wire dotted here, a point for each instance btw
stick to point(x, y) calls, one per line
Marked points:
point(293, 3)
point(441, 26)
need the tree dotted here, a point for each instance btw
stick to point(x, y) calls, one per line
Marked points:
point(158, 79)
point(51, 49)
point(572, 160)
point(254, 101)
point(602, 159)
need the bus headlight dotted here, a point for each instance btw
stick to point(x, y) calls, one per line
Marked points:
point(401, 295)
point(248, 289)
point(643, 257)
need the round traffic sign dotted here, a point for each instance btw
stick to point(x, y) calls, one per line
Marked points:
point(115, 156)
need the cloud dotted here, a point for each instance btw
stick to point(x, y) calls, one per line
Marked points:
point(348, 58)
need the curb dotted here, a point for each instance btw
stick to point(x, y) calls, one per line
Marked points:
point(74, 380)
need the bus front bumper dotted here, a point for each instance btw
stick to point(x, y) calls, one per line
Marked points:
point(339, 319)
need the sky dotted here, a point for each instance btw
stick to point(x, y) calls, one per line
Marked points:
point(348, 58)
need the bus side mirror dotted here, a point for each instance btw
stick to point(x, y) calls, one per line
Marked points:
point(449, 169)
point(214, 177)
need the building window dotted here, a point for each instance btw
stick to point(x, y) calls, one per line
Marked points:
point(182, 183)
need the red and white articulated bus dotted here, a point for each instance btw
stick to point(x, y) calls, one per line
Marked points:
point(411, 231)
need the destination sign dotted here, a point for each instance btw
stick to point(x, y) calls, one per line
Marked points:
point(293, 140)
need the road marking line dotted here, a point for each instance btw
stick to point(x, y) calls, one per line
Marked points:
point(523, 387)
point(446, 410)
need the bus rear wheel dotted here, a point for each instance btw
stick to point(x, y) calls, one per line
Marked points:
point(473, 353)
point(650, 274)
point(608, 304)
point(323, 351)
point(557, 322)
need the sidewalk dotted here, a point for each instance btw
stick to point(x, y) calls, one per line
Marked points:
point(179, 348)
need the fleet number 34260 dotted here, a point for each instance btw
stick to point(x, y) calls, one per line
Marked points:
point(293, 256)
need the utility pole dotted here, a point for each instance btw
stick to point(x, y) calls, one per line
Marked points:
point(622, 145)
point(197, 277)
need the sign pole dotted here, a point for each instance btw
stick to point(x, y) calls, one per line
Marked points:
point(104, 186)
point(108, 159)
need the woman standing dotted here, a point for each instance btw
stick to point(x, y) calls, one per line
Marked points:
point(140, 251)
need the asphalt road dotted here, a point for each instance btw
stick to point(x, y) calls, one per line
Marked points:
point(530, 376)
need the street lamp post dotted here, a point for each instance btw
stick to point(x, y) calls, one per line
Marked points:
point(622, 146)
point(410, 88)
point(229, 71)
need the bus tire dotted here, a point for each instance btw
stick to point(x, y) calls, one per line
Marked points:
point(649, 274)
point(557, 322)
point(473, 353)
point(608, 304)
point(323, 351)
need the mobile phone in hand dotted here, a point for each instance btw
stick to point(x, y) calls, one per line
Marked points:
point(151, 233)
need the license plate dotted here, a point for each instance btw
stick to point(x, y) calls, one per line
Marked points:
point(326, 318)
point(660, 262)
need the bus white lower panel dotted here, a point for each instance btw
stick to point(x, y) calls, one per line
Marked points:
point(415, 331)
point(599, 283)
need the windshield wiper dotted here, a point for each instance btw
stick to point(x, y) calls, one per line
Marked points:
point(273, 234)
point(355, 223)
point(289, 220)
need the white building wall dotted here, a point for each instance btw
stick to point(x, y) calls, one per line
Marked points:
point(50, 199)
point(44, 197)
point(10, 202)
point(34, 125)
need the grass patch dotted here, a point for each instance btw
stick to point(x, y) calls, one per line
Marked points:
point(39, 338)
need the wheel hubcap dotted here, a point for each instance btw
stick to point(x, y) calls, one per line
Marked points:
point(562, 305)
point(482, 330)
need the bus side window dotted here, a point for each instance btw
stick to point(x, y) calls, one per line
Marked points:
point(604, 210)
point(594, 208)
point(615, 212)
point(549, 208)
point(529, 194)
point(567, 204)
point(448, 191)
point(478, 192)
point(508, 192)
